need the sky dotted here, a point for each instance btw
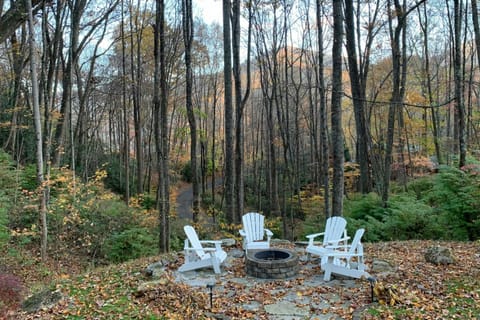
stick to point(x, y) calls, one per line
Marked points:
point(209, 10)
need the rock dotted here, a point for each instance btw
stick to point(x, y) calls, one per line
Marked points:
point(381, 266)
point(149, 285)
point(236, 253)
point(276, 242)
point(44, 299)
point(155, 270)
point(287, 309)
point(439, 255)
point(228, 242)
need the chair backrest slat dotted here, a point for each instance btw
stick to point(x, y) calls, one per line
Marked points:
point(253, 226)
point(356, 244)
point(334, 229)
point(194, 240)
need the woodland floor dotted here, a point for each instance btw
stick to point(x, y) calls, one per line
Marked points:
point(423, 290)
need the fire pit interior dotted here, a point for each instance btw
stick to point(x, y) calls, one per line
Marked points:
point(272, 263)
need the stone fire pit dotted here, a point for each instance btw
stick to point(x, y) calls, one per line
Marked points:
point(271, 263)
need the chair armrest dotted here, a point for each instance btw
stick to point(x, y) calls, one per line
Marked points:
point(311, 237)
point(336, 241)
point(217, 243)
point(211, 249)
point(268, 232)
point(211, 241)
point(242, 233)
point(342, 254)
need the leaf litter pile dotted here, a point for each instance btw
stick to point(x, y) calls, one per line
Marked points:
point(414, 290)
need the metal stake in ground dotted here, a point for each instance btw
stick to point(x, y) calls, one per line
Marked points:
point(210, 286)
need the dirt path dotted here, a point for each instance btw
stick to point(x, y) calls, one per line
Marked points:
point(184, 199)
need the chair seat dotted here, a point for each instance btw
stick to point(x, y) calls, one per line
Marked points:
point(258, 245)
point(317, 250)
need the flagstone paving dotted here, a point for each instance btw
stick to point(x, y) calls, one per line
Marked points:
point(289, 301)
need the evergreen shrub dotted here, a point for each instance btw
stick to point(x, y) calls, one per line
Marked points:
point(442, 206)
point(130, 244)
point(455, 196)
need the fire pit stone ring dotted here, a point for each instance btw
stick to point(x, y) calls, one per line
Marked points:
point(273, 263)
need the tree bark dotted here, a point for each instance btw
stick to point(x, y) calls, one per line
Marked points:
point(38, 135)
point(161, 130)
point(459, 77)
point(358, 79)
point(336, 120)
point(229, 146)
point(187, 19)
point(325, 153)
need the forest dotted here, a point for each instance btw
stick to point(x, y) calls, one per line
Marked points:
point(298, 109)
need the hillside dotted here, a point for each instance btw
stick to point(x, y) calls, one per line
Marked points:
point(423, 290)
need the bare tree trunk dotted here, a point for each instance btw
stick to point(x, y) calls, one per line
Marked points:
point(229, 147)
point(323, 112)
point(358, 79)
point(126, 127)
point(337, 130)
point(187, 19)
point(458, 74)
point(136, 84)
point(161, 130)
point(240, 104)
point(399, 71)
point(38, 135)
point(424, 25)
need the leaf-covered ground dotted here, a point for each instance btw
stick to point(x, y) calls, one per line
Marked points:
point(425, 291)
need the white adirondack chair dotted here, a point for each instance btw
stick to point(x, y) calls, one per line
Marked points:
point(349, 268)
point(335, 236)
point(254, 232)
point(197, 256)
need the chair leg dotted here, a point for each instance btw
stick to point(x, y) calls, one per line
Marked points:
point(328, 272)
point(215, 264)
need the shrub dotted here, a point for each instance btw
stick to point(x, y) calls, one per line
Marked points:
point(99, 221)
point(363, 206)
point(421, 187)
point(409, 218)
point(130, 244)
point(454, 195)
point(11, 293)
point(404, 218)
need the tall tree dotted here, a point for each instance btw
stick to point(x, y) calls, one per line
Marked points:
point(38, 133)
point(336, 120)
point(268, 46)
point(240, 102)
point(187, 20)
point(425, 27)
point(325, 158)
point(238, 164)
point(136, 42)
point(459, 77)
point(125, 110)
point(229, 146)
point(358, 67)
point(160, 102)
